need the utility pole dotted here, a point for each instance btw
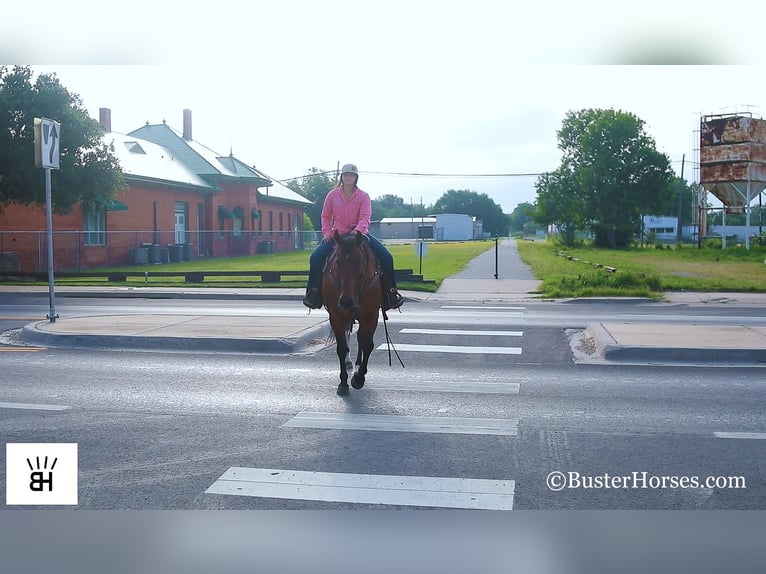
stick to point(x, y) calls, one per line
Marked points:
point(681, 199)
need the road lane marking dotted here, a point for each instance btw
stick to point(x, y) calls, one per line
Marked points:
point(4, 349)
point(487, 307)
point(449, 387)
point(398, 423)
point(455, 349)
point(33, 406)
point(426, 491)
point(749, 435)
point(462, 332)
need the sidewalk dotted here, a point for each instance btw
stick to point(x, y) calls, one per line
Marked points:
point(600, 342)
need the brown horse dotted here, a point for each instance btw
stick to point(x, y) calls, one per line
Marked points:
point(351, 292)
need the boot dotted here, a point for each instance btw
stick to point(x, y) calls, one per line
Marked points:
point(313, 298)
point(392, 299)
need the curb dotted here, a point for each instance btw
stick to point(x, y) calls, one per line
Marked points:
point(608, 349)
point(299, 342)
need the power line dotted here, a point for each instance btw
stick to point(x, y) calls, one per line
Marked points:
point(416, 174)
point(419, 174)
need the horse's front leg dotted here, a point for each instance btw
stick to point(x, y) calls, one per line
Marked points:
point(366, 344)
point(341, 347)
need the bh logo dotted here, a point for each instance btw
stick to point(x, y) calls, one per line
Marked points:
point(41, 473)
point(38, 479)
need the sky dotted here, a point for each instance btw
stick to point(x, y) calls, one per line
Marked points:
point(449, 89)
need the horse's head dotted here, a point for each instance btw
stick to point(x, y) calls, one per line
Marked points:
point(351, 259)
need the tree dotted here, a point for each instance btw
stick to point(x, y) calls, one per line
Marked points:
point(314, 187)
point(559, 203)
point(478, 205)
point(613, 170)
point(389, 205)
point(89, 173)
point(521, 216)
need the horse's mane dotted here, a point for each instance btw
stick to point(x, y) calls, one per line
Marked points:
point(348, 242)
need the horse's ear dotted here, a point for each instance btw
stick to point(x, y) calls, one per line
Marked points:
point(359, 238)
point(337, 236)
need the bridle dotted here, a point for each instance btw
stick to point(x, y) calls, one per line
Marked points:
point(364, 282)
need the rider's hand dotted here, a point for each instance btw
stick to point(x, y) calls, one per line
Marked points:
point(327, 239)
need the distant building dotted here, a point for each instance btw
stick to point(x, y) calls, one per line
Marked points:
point(441, 227)
point(664, 228)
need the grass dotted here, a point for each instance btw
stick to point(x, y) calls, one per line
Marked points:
point(640, 272)
point(644, 272)
point(442, 260)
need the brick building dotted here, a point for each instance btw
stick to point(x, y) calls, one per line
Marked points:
point(182, 201)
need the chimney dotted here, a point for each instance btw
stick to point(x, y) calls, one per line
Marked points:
point(187, 125)
point(105, 119)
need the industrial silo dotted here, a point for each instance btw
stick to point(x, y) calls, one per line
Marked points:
point(733, 160)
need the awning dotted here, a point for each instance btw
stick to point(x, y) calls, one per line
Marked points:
point(114, 205)
point(224, 213)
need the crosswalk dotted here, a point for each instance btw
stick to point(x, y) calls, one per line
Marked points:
point(421, 491)
point(472, 340)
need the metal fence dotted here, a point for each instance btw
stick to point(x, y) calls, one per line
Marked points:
point(81, 250)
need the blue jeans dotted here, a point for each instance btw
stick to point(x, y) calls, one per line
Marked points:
point(323, 250)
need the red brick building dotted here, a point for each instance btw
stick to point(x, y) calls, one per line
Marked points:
point(182, 201)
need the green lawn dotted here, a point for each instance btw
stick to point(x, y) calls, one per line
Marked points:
point(640, 272)
point(442, 260)
point(644, 271)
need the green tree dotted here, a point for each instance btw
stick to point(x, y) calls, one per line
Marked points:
point(314, 187)
point(478, 205)
point(389, 205)
point(615, 172)
point(559, 203)
point(521, 216)
point(89, 173)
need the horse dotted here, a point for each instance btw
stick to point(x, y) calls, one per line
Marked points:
point(351, 291)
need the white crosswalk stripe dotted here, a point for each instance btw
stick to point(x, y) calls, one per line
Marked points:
point(398, 423)
point(426, 491)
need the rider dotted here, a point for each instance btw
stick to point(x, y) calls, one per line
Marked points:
point(349, 209)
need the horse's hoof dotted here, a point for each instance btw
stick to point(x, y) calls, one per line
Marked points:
point(342, 390)
point(357, 382)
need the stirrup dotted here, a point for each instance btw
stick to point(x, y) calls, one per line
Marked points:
point(394, 299)
point(313, 299)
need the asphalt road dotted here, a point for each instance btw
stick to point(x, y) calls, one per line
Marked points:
point(162, 430)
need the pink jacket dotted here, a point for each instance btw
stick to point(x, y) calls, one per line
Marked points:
point(345, 216)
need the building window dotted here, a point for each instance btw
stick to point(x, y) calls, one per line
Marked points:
point(280, 221)
point(238, 221)
point(95, 225)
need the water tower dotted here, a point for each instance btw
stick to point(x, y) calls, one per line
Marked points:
point(733, 161)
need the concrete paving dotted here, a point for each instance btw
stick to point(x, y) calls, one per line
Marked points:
point(606, 342)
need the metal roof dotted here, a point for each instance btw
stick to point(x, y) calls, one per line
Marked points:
point(277, 190)
point(209, 164)
point(408, 220)
point(143, 159)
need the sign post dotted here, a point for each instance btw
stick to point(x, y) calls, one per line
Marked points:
point(47, 157)
point(421, 248)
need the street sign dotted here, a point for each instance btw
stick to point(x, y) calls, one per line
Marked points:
point(47, 135)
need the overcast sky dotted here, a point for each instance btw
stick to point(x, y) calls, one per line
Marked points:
point(476, 87)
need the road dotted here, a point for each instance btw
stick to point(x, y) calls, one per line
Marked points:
point(174, 430)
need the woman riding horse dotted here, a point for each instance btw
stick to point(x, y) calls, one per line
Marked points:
point(349, 209)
